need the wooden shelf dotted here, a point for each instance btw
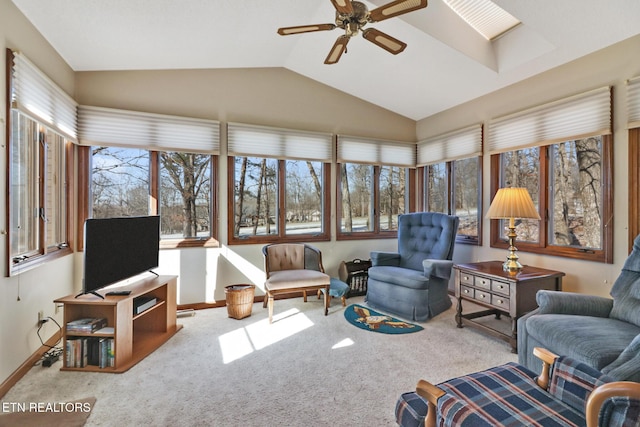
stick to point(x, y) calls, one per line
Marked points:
point(135, 336)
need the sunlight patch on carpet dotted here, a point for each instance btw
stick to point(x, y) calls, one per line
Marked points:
point(344, 343)
point(256, 336)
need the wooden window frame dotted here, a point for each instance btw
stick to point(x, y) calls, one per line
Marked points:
point(281, 235)
point(377, 233)
point(84, 202)
point(605, 255)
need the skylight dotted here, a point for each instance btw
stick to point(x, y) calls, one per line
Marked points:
point(484, 16)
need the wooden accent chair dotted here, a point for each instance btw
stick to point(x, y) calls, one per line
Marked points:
point(293, 267)
point(571, 394)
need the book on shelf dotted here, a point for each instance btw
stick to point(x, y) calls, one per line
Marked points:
point(84, 351)
point(88, 324)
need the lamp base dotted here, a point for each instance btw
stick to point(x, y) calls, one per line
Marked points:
point(511, 265)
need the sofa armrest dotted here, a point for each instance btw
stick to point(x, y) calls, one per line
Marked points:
point(627, 366)
point(431, 394)
point(437, 268)
point(553, 302)
point(391, 259)
point(619, 401)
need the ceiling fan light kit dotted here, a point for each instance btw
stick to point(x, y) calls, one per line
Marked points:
point(352, 16)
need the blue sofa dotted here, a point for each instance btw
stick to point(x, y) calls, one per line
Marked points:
point(413, 282)
point(601, 332)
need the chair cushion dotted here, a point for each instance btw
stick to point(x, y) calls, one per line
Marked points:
point(294, 279)
point(504, 395)
point(595, 341)
point(423, 235)
point(411, 410)
point(400, 276)
point(572, 381)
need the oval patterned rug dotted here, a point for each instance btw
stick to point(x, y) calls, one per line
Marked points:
point(371, 320)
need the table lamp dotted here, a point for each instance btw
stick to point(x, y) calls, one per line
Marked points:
point(511, 203)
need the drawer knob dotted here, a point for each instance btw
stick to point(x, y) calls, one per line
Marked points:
point(481, 296)
point(466, 277)
point(500, 301)
point(466, 291)
point(484, 282)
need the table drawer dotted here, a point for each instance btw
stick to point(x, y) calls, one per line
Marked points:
point(482, 283)
point(466, 291)
point(481, 296)
point(500, 302)
point(466, 279)
point(500, 287)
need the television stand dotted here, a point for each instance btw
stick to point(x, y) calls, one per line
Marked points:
point(133, 336)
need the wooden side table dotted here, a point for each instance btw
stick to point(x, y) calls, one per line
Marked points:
point(486, 284)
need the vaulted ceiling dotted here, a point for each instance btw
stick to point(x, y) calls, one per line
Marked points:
point(445, 64)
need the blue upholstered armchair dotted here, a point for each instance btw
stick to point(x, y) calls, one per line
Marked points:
point(602, 332)
point(413, 282)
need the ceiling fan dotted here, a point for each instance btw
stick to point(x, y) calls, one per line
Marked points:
point(352, 16)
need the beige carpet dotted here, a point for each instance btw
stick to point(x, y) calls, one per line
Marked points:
point(50, 414)
point(303, 370)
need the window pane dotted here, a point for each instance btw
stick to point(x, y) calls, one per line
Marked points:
point(357, 198)
point(392, 196)
point(55, 191)
point(185, 195)
point(23, 218)
point(119, 182)
point(303, 197)
point(437, 188)
point(255, 196)
point(465, 174)
point(576, 196)
point(521, 168)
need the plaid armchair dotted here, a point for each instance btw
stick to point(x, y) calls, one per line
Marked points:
point(572, 394)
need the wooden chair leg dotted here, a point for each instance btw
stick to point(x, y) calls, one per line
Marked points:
point(344, 301)
point(304, 296)
point(270, 308)
point(326, 300)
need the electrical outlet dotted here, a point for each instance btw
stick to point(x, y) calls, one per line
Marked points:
point(40, 317)
point(57, 308)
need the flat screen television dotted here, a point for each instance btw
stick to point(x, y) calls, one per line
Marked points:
point(116, 249)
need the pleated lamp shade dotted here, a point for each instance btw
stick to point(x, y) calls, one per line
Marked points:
point(512, 203)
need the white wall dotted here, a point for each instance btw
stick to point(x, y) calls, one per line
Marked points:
point(21, 297)
point(609, 67)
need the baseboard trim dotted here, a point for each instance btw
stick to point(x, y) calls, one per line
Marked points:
point(28, 364)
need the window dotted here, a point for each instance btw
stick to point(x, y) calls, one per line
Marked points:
point(119, 182)
point(126, 179)
point(569, 181)
point(452, 178)
point(185, 195)
point(38, 215)
point(42, 126)
point(280, 179)
point(633, 108)
point(372, 192)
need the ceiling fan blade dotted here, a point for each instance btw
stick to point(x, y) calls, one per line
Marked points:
point(343, 6)
point(385, 41)
point(285, 31)
point(336, 51)
point(396, 8)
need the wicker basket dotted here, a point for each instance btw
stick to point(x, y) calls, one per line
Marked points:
point(239, 300)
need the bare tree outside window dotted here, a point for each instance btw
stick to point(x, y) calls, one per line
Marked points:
point(577, 193)
point(521, 168)
point(357, 198)
point(185, 195)
point(436, 184)
point(392, 196)
point(255, 196)
point(119, 182)
point(303, 197)
point(465, 175)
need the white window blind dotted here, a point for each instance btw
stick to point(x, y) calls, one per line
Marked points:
point(37, 96)
point(633, 102)
point(132, 129)
point(459, 144)
point(579, 116)
point(376, 152)
point(262, 141)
